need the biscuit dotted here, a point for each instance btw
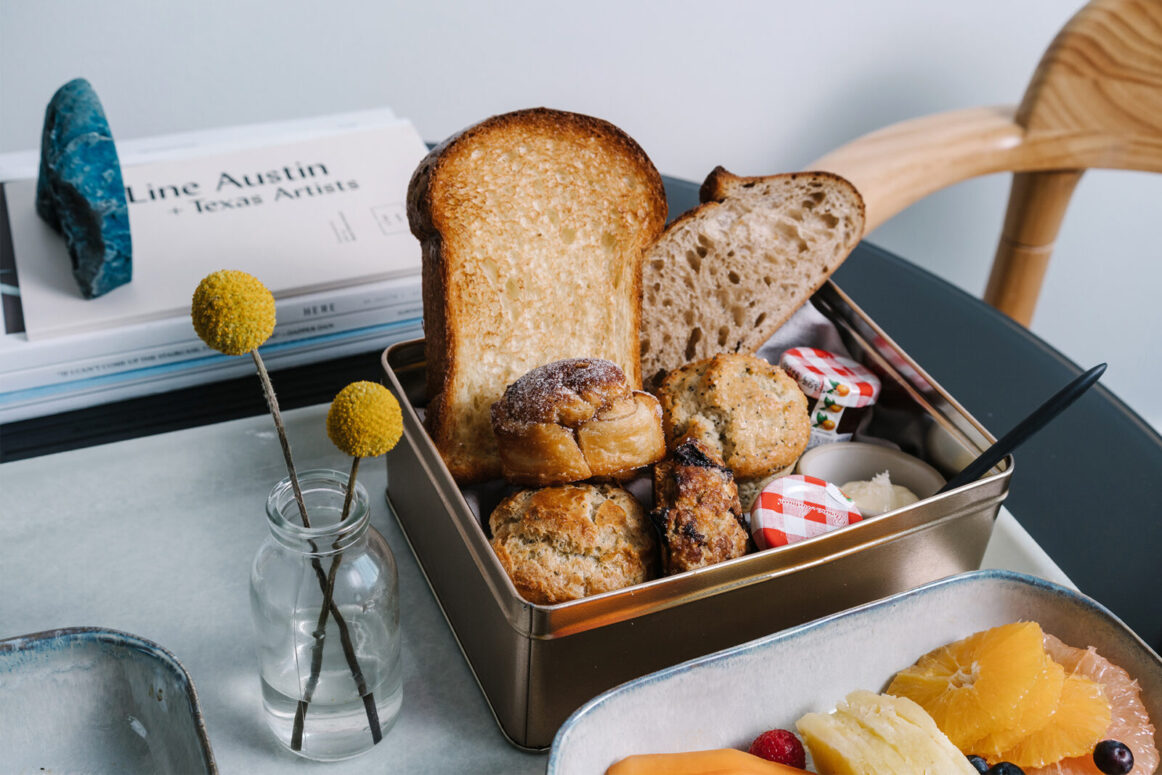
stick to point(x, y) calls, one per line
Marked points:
point(750, 412)
point(749, 489)
point(562, 543)
point(575, 419)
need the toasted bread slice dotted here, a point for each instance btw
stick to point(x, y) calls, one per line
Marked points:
point(725, 275)
point(533, 226)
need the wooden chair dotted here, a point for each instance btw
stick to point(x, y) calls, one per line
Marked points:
point(1095, 100)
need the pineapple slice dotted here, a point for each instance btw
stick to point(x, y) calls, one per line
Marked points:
point(839, 745)
point(908, 727)
point(871, 734)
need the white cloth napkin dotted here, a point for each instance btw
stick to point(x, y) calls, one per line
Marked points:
point(806, 328)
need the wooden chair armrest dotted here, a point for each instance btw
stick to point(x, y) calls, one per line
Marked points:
point(900, 164)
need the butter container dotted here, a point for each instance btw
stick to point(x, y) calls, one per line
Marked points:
point(536, 664)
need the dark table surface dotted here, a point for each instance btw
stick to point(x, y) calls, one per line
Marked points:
point(1088, 488)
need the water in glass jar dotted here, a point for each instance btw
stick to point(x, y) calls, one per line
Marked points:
point(336, 725)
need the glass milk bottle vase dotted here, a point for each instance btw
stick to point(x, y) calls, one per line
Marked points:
point(325, 604)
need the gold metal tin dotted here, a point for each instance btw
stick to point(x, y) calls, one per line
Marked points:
point(536, 664)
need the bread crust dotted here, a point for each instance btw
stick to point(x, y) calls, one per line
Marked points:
point(721, 182)
point(440, 216)
point(575, 419)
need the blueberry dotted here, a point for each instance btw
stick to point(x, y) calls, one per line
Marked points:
point(1005, 768)
point(1113, 758)
point(978, 762)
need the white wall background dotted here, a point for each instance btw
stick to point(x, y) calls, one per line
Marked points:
point(759, 87)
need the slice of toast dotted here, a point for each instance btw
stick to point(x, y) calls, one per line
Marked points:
point(725, 275)
point(533, 226)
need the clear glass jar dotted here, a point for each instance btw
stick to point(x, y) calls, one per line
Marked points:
point(328, 692)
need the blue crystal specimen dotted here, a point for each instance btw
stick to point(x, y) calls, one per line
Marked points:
point(80, 192)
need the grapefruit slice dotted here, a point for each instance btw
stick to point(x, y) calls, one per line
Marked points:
point(1129, 721)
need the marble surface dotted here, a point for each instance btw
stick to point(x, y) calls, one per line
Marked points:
point(154, 536)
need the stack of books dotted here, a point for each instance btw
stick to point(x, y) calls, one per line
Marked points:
point(315, 209)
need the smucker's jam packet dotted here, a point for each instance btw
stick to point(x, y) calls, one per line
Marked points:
point(797, 507)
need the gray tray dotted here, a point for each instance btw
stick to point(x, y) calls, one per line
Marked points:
point(536, 664)
point(88, 699)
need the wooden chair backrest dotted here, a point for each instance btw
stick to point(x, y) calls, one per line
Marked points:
point(1095, 101)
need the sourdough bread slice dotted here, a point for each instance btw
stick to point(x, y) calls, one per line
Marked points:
point(533, 226)
point(725, 275)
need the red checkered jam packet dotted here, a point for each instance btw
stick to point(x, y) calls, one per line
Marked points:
point(839, 392)
point(794, 508)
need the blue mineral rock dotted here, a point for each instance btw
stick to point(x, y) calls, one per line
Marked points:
point(80, 192)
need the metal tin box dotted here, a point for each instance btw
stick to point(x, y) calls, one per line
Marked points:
point(536, 664)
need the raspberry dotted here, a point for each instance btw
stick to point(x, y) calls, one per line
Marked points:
point(781, 746)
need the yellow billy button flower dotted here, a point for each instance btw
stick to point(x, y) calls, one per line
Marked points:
point(364, 420)
point(233, 312)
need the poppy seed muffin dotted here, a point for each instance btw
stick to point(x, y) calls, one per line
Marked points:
point(751, 413)
point(562, 543)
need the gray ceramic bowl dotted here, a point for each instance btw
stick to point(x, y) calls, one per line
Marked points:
point(854, 461)
point(98, 701)
point(726, 699)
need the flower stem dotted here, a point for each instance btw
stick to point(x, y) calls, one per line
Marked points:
point(316, 655)
point(344, 638)
point(326, 583)
point(350, 488)
point(272, 402)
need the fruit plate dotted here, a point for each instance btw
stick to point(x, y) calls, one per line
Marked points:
point(85, 699)
point(726, 699)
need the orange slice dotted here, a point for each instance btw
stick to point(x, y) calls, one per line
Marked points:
point(1035, 711)
point(1077, 725)
point(973, 688)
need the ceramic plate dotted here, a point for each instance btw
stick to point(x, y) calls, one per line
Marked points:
point(97, 701)
point(726, 699)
